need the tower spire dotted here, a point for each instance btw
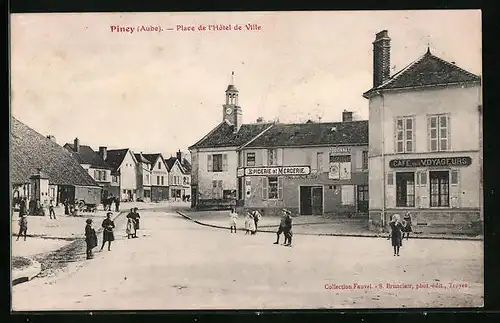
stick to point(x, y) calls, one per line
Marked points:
point(232, 78)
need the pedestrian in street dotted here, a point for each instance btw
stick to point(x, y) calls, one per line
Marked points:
point(66, 207)
point(117, 204)
point(396, 234)
point(250, 223)
point(90, 238)
point(233, 217)
point(137, 216)
point(281, 227)
point(287, 230)
point(407, 225)
point(131, 224)
point(23, 227)
point(248, 218)
point(23, 207)
point(51, 210)
point(256, 217)
point(107, 234)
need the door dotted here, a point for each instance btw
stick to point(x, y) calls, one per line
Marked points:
point(317, 200)
point(363, 198)
point(305, 200)
point(194, 196)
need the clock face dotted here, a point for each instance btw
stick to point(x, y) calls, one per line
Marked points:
point(229, 110)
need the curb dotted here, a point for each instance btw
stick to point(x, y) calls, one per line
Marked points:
point(26, 274)
point(360, 235)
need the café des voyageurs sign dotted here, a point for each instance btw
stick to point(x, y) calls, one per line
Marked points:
point(430, 162)
point(274, 171)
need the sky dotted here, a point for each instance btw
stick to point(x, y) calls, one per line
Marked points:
point(71, 76)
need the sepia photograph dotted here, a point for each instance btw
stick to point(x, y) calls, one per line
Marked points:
point(260, 160)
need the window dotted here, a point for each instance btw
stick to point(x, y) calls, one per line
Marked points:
point(423, 178)
point(439, 188)
point(363, 193)
point(272, 188)
point(347, 194)
point(162, 181)
point(438, 132)
point(147, 179)
point(217, 163)
point(157, 180)
point(340, 167)
point(319, 161)
point(272, 157)
point(454, 177)
point(405, 189)
point(405, 135)
point(250, 159)
point(390, 179)
point(217, 189)
point(159, 165)
point(365, 160)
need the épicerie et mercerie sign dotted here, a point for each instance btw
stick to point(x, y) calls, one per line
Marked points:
point(430, 162)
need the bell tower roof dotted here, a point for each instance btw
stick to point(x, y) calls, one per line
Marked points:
point(231, 87)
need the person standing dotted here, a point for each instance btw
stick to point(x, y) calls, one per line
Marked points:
point(23, 226)
point(407, 225)
point(251, 223)
point(256, 216)
point(23, 208)
point(233, 217)
point(395, 235)
point(130, 224)
point(51, 210)
point(90, 238)
point(107, 234)
point(137, 216)
point(287, 230)
point(248, 218)
point(117, 204)
point(281, 227)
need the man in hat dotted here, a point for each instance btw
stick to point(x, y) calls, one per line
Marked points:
point(282, 226)
point(256, 216)
point(287, 230)
point(90, 238)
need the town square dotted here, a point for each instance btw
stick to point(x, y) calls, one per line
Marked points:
point(247, 168)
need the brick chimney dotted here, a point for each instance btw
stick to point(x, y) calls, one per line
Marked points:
point(103, 152)
point(381, 58)
point(179, 155)
point(76, 145)
point(346, 116)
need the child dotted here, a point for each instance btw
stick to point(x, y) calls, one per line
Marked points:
point(23, 227)
point(90, 238)
point(249, 223)
point(130, 227)
point(51, 210)
point(233, 216)
point(407, 225)
point(395, 233)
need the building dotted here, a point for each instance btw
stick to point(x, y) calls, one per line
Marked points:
point(179, 179)
point(425, 143)
point(159, 177)
point(143, 178)
point(93, 163)
point(123, 174)
point(309, 168)
point(42, 170)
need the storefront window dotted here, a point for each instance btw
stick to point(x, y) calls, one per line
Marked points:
point(439, 187)
point(273, 188)
point(405, 189)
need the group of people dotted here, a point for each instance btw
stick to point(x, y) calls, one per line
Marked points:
point(252, 219)
point(108, 235)
point(108, 201)
point(398, 229)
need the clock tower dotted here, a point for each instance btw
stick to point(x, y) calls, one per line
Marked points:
point(231, 111)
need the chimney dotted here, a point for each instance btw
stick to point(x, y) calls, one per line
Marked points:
point(259, 120)
point(179, 155)
point(52, 138)
point(381, 58)
point(76, 145)
point(346, 116)
point(103, 152)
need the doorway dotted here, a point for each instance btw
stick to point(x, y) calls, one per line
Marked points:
point(363, 198)
point(311, 200)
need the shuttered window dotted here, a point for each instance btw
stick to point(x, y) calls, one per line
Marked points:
point(454, 177)
point(390, 179)
point(224, 162)
point(209, 163)
point(438, 132)
point(264, 188)
point(280, 188)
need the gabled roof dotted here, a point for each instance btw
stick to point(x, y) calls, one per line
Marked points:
point(141, 158)
point(115, 157)
point(223, 135)
point(151, 157)
point(86, 155)
point(170, 162)
point(428, 70)
point(313, 134)
point(186, 165)
point(30, 150)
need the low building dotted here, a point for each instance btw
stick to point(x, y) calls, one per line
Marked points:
point(159, 177)
point(310, 168)
point(179, 179)
point(425, 153)
point(40, 169)
point(124, 173)
point(93, 163)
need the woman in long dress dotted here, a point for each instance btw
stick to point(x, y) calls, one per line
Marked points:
point(130, 228)
point(396, 233)
point(90, 238)
point(251, 223)
point(407, 225)
point(107, 234)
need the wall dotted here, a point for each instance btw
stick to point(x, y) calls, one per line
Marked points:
point(204, 179)
point(128, 173)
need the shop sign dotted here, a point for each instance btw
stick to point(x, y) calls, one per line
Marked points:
point(431, 162)
point(340, 150)
point(277, 171)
